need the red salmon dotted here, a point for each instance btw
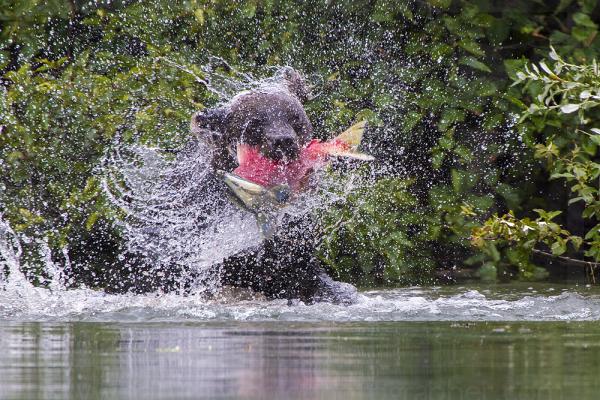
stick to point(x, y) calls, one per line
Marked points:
point(264, 171)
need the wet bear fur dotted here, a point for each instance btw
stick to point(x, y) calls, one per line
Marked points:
point(284, 266)
point(270, 116)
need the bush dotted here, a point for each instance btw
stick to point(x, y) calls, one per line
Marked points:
point(76, 75)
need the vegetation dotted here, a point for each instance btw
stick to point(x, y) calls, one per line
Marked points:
point(561, 126)
point(474, 130)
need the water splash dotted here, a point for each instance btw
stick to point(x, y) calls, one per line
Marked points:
point(547, 303)
point(10, 255)
point(178, 215)
point(174, 214)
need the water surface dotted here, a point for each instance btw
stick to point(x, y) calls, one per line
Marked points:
point(479, 342)
point(292, 360)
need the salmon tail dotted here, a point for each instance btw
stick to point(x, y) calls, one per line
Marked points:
point(346, 143)
point(353, 135)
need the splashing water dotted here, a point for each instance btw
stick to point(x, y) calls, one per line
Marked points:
point(544, 303)
point(20, 300)
point(174, 217)
point(178, 216)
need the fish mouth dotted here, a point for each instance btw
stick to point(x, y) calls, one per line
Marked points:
point(256, 198)
point(253, 195)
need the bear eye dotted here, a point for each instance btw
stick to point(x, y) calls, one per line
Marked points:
point(296, 123)
point(253, 132)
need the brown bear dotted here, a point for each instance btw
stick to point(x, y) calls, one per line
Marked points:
point(270, 116)
point(282, 266)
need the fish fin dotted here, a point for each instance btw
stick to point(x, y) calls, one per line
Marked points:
point(353, 135)
point(353, 154)
point(266, 224)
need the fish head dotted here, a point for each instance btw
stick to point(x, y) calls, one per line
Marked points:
point(263, 202)
point(253, 196)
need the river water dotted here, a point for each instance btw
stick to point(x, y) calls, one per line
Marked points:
point(478, 342)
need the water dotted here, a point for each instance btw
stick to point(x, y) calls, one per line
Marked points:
point(291, 360)
point(515, 302)
point(486, 342)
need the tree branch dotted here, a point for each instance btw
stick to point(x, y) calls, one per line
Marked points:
point(572, 261)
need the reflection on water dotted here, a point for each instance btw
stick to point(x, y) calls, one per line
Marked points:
point(282, 360)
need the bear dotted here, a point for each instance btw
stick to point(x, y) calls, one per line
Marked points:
point(283, 266)
point(271, 117)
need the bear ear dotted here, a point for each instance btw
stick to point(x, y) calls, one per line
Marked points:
point(295, 83)
point(289, 73)
point(210, 119)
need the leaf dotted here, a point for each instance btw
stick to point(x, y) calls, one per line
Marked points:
point(575, 200)
point(411, 120)
point(584, 20)
point(91, 220)
point(472, 47)
point(547, 215)
point(562, 6)
point(576, 241)
point(562, 175)
point(546, 68)
point(474, 63)
point(440, 3)
point(569, 108)
point(513, 68)
point(462, 180)
point(558, 247)
point(595, 139)
point(593, 232)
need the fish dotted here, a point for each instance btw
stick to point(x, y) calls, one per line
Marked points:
point(263, 202)
point(260, 169)
point(263, 185)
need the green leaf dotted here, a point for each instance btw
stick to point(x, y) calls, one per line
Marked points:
point(562, 175)
point(443, 4)
point(558, 247)
point(584, 20)
point(462, 181)
point(474, 63)
point(562, 6)
point(472, 47)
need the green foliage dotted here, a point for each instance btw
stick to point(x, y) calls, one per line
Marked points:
point(524, 234)
point(378, 236)
point(564, 110)
point(428, 76)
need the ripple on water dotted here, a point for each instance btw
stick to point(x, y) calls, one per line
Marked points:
point(27, 303)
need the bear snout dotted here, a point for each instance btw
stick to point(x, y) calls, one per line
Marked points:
point(280, 141)
point(283, 147)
